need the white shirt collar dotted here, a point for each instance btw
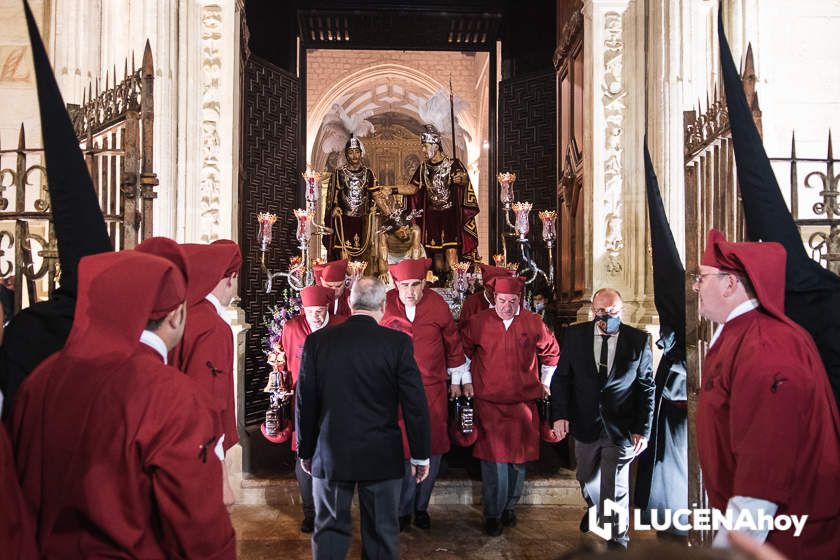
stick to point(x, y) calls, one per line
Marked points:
point(410, 312)
point(507, 322)
point(744, 307)
point(218, 305)
point(313, 328)
point(155, 342)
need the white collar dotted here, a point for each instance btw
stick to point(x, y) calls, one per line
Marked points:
point(155, 342)
point(744, 307)
point(216, 303)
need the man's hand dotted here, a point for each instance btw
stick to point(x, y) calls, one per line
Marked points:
point(546, 391)
point(459, 178)
point(306, 465)
point(640, 443)
point(468, 390)
point(454, 391)
point(419, 472)
point(561, 428)
point(336, 212)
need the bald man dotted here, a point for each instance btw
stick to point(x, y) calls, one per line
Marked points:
point(603, 394)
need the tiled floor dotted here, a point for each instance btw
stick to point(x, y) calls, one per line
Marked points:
point(542, 533)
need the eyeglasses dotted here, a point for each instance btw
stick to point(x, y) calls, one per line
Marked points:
point(698, 278)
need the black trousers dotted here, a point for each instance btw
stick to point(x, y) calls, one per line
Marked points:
point(378, 504)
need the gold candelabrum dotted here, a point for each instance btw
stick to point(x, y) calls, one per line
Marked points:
point(299, 274)
point(519, 227)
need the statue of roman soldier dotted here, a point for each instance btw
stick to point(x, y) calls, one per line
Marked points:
point(349, 210)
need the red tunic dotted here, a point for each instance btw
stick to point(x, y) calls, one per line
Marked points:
point(506, 378)
point(437, 346)
point(767, 427)
point(295, 332)
point(343, 305)
point(206, 355)
point(475, 303)
point(120, 461)
point(17, 528)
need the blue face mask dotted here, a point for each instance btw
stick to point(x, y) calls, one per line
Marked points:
point(539, 306)
point(610, 323)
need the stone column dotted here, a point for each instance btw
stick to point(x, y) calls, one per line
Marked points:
point(617, 232)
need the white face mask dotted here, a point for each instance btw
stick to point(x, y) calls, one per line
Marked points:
point(539, 306)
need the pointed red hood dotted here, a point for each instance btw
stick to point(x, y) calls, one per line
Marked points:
point(209, 264)
point(762, 263)
point(118, 294)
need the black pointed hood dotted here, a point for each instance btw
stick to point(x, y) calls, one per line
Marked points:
point(668, 270)
point(812, 293)
point(767, 215)
point(79, 226)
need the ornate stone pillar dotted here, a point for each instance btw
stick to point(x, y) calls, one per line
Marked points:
point(614, 72)
point(208, 117)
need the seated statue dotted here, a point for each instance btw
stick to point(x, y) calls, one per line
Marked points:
point(398, 237)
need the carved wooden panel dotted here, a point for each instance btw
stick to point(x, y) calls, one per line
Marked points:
point(270, 184)
point(528, 142)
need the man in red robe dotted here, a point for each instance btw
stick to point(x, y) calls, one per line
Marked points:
point(513, 358)
point(206, 351)
point(481, 300)
point(317, 301)
point(424, 315)
point(333, 275)
point(117, 453)
point(763, 381)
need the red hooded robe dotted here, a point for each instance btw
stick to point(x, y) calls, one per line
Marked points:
point(506, 378)
point(767, 423)
point(117, 452)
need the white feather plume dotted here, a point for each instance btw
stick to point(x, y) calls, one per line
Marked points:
point(436, 112)
point(338, 125)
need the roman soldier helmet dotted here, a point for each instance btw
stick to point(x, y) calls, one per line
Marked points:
point(430, 135)
point(353, 143)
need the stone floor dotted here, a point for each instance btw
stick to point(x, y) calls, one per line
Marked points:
point(542, 533)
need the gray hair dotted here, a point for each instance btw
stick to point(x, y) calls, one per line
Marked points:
point(367, 294)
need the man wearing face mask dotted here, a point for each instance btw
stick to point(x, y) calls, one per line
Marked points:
point(603, 394)
point(316, 302)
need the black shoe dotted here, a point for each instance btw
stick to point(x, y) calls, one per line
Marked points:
point(509, 518)
point(405, 522)
point(422, 519)
point(307, 525)
point(492, 527)
point(613, 545)
point(584, 523)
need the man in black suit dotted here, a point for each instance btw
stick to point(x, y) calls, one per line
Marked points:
point(603, 394)
point(352, 378)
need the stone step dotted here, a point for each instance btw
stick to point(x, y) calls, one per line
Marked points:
point(561, 489)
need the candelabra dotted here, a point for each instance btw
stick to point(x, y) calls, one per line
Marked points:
point(519, 227)
point(299, 274)
point(278, 417)
point(460, 280)
point(549, 235)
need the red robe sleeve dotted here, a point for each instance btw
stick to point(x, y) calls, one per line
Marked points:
point(548, 350)
point(182, 454)
point(294, 335)
point(208, 360)
point(451, 337)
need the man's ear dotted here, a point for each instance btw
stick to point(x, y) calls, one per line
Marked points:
point(176, 316)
